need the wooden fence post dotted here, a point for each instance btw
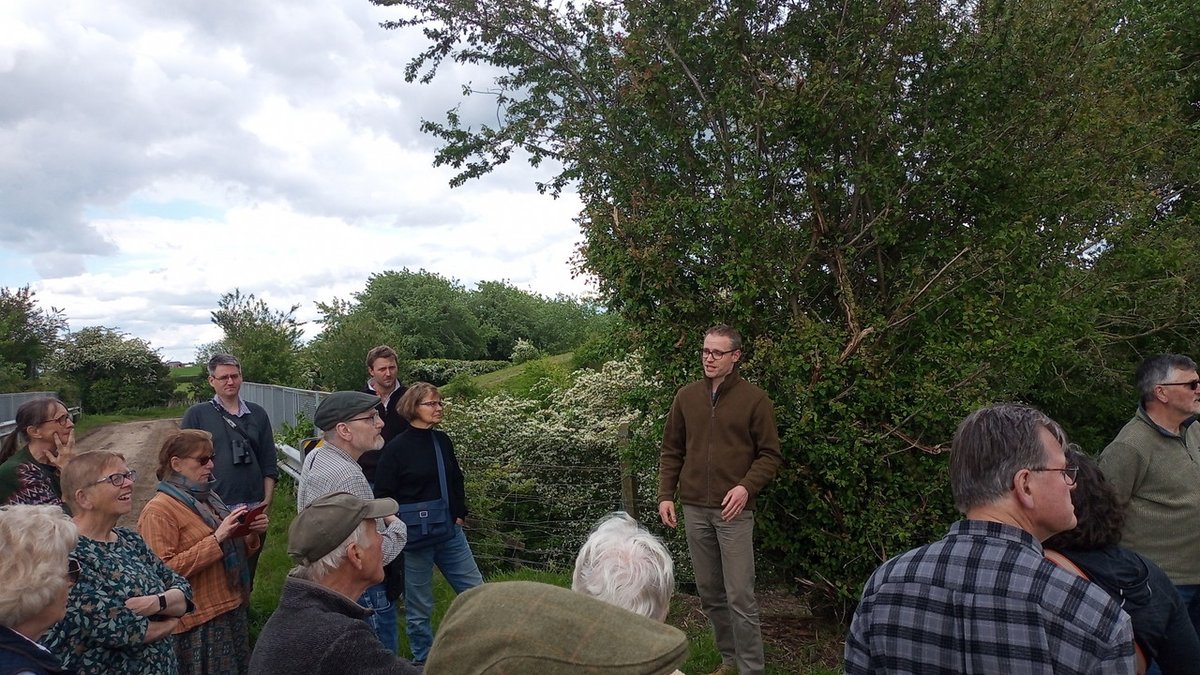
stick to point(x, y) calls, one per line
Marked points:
point(628, 479)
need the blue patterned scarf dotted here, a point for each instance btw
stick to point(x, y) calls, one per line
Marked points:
point(205, 503)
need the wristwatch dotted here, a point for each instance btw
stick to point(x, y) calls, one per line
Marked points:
point(162, 601)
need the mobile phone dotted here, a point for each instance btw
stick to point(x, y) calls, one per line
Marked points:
point(248, 517)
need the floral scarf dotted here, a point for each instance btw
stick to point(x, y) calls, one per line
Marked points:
point(205, 503)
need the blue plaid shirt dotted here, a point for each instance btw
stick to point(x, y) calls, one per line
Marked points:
point(984, 600)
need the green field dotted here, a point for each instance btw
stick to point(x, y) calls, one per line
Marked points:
point(186, 371)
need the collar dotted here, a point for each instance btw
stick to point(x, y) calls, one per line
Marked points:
point(385, 404)
point(243, 409)
point(328, 597)
point(992, 529)
point(30, 648)
point(337, 451)
point(1149, 421)
point(728, 382)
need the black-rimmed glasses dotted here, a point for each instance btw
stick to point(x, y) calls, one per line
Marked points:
point(1069, 473)
point(715, 353)
point(118, 479)
point(372, 417)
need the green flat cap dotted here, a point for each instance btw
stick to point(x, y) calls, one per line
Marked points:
point(512, 627)
point(328, 521)
point(342, 406)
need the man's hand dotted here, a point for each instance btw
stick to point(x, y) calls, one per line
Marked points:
point(733, 503)
point(666, 511)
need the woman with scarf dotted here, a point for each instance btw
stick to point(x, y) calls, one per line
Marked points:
point(34, 453)
point(192, 530)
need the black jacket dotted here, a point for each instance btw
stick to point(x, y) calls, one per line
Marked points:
point(1160, 620)
point(407, 471)
point(393, 425)
point(19, 655)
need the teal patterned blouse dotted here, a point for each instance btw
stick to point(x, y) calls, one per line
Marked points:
point(98, 634)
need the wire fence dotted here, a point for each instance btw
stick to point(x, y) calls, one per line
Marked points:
point(523, 515)
point(10, 402)
point(283, 404)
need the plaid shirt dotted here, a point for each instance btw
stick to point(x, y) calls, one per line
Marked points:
point(984, 600)
point(329, 469)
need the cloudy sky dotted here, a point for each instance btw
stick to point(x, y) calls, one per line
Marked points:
point(154, 155)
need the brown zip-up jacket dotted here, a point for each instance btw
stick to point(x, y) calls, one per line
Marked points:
point(711, 444)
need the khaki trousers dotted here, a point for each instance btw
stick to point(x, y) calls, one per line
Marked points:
point(723, 560)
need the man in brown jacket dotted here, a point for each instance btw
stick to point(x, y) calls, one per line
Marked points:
point(720, 448)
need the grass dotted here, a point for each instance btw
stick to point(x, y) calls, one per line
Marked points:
point(518, 379)
point(186, 371)
point(89, 422)
point(274, 565)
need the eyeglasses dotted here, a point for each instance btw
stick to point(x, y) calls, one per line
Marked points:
point(372, 417)
point(715, 353)
point(1190, 384)
point(118, 479)
point(73, 570)
point(204, 459)
point(232, 377)
point(1069, 473)
point(433, 404)
point(61, 420)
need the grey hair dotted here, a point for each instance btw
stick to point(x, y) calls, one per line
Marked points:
point(36, 541)
point(990, 446)
point(318, 570)
point(222, 360)
point(1155, 370)
point(623, 564)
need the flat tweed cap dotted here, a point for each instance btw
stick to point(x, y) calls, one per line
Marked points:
point(512, 627)
point(328, 521)
point(342, 406)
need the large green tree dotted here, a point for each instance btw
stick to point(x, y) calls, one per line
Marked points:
point(427, 314)
point(339, 353)
point(507, 314)
point(913, 208)
point(266, 341)
point(28, 335)
point(112, 370)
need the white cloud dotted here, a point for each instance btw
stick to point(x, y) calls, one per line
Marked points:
point(156, 155)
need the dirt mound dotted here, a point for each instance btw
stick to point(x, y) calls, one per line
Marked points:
point(139, 442)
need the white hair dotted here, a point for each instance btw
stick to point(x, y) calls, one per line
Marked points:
point(318, 570)
point(36, 541)
point(623, 564)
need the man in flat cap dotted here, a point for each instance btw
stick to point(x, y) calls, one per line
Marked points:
point(318, 627)
point(351, 427)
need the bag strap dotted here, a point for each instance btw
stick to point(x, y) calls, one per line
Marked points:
point(437, 450)
point(1141, 663)
point(229, 421)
